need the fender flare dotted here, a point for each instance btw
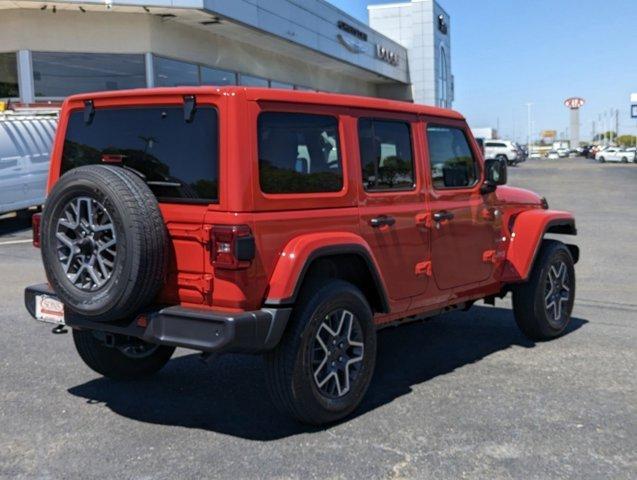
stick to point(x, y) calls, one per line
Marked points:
point(529, 229)
point(297, 256)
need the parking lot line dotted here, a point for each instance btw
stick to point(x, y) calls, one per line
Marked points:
point(16, 242)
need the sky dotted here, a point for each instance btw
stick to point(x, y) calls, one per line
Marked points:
point(507, 53)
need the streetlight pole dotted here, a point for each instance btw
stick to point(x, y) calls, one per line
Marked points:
point(528, 138)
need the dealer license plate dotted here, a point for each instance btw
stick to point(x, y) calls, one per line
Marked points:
point(49, 310)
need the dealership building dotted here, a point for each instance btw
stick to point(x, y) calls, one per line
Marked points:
point(51, 49)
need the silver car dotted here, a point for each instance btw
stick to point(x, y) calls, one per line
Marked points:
point(25, 148)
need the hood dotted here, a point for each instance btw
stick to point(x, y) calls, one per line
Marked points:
point(520, 196)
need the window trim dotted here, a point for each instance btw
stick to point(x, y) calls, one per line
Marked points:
point(289, 195)
point(476, 159)
point(414, 172)
point(161, 200)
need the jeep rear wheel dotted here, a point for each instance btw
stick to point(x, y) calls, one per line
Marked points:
point(104, 242)
point(120, 357)
point(543, 304)
point(322, 368)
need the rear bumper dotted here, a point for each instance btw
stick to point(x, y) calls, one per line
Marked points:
point(197, 329)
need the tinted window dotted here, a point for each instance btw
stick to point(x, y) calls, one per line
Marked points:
point(173, 73)
point(250, 81)
point(386, 157)
point(213, 76)
point(452, 163)
point(177, 159)
point(496, 145)
point(299, 153)
point(8, 75)
point(62, 74)
point(275, 84)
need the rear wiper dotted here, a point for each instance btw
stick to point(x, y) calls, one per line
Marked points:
point(89, 111)
point(190, 107)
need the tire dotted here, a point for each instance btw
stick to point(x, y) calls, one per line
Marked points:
point(624, 160)
point(503, 157)
point(299, 386)
point(128, 359)
point(532, 301)
point(119, 261)
point(602, 159)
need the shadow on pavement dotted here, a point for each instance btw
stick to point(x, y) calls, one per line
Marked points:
point(231, 397)
point(18, 223)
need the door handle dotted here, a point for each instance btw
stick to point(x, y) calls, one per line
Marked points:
point(382, 221)
point(443, 215)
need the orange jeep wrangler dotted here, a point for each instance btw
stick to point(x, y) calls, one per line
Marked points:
point(286, 223)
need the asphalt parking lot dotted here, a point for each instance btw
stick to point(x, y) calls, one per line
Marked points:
point(460, 396)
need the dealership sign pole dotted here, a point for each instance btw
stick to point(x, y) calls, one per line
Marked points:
point(574, 104)
point(633, 112)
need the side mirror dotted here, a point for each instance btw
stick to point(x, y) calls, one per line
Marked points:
point(495, 173)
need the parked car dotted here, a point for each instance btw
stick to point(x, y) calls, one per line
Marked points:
point(502, 149)
point(615, 154)
point(553, 155)
point(268, 240)
point(522, 155)
point(583, 151)
point(25, 147)
point(563, 152)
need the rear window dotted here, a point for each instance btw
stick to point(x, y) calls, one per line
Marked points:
point(177, 159)
point(299, 153)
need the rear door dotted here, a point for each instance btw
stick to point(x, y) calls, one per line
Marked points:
point(179, 161)
point(392, 201)
point(465, 222)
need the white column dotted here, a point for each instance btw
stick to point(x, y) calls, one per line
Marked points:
point(25, 77)
point(150, 70)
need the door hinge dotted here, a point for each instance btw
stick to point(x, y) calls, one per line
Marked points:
point(424, 219)
point(423, 268)
point(200, 283)
point(490, 213)
point(489, 256)
point(200, 234)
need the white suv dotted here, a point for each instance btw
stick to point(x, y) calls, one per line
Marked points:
point(501, 149)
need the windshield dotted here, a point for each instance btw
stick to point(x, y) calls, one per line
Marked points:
point(177, 159)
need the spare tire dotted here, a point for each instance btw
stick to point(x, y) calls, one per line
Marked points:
point(104, 242)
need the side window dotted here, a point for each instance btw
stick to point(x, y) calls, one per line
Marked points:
point(386, 156)
point(452, 162)
point(299, 153)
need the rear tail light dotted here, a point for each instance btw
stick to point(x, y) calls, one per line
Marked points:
point(36, 220)
point(232, 246)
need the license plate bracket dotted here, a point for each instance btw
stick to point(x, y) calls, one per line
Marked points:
point(49, 309)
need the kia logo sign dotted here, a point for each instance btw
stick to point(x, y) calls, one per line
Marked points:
point(574, 103)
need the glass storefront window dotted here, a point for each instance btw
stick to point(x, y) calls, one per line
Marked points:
point(250, 81)
point(58, 74)
point(275, 84)
point(213, 76)
point(8, 75)
point(173, 73)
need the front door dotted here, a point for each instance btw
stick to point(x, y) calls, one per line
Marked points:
point(391, 200)
point(464, 233)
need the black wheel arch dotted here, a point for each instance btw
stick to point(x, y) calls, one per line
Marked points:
point(349, 262)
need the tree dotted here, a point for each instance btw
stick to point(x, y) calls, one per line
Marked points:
point(626, 140)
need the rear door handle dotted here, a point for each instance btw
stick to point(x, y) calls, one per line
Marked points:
point(382, 221)
point(443, 215)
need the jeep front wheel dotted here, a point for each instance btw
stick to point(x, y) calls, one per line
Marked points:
point(120, 357)
point(322, 368)
point(543, 304)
